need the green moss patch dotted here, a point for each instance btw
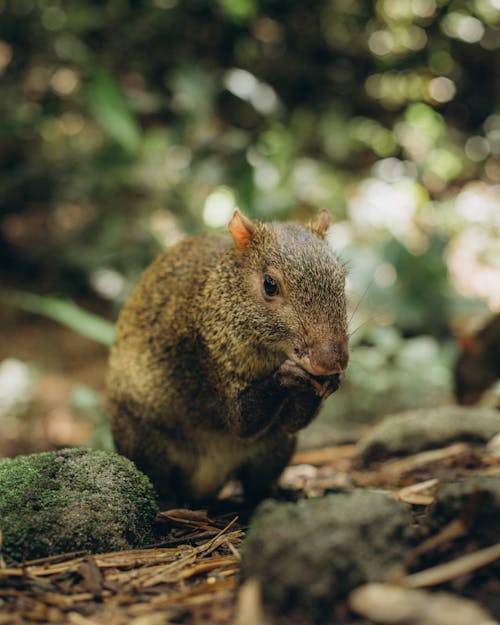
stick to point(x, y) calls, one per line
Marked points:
point(73, 500)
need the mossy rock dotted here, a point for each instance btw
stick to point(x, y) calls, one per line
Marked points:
point(71, 500)
point(418, 430)
point(308, 556)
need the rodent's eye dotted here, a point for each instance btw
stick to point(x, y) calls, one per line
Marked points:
point(271, 287)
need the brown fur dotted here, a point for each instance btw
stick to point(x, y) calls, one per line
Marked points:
point(208, 377)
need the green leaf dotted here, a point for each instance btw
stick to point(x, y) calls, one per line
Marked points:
point(64, 312)
point(111, 110)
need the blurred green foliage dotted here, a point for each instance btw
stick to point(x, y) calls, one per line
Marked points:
point(64, 312)
point(125, 124)
point(90, 406)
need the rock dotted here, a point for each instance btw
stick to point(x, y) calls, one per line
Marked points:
point(73, 500)
point(417, 430)
point(476, 498)
point(307, 556)
point(393, 605)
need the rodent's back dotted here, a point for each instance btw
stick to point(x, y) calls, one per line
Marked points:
point(169, 285)
point(157, 326)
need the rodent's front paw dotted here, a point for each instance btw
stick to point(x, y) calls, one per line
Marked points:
point(290, 375)
point(329, 385)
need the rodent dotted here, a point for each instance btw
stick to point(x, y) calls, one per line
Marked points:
point(478, 364)
point(224, 351)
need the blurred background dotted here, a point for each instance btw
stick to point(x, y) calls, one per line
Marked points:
point(124, 125)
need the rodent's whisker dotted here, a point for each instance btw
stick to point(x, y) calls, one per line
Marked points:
point(363, 323)
point(361, 298)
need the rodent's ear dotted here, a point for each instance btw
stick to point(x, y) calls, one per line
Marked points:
point(242, 230)
point(322, 222)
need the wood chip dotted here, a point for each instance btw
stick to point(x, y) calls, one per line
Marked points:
point(396, 468)
point(249, 610)
point(418, 493)
point(328, 455)
point(451, 570)
point(92, 576)
point(393, 605)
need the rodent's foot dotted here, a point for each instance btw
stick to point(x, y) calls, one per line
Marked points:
point(291, 375)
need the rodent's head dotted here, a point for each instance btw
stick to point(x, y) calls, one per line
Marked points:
point(297, 288)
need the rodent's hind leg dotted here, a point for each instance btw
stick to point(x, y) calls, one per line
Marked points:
point(159, 452)
point(184, 486)
point(260, 473)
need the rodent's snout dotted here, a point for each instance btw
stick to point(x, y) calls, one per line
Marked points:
point(324, 358)
point(329, 358)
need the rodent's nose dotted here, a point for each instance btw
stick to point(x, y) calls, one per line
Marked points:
point(329, 357)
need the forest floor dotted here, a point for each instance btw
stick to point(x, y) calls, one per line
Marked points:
point(191, 575)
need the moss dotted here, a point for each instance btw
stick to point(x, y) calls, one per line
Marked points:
point(71, 500)
point(309, 555)
point(417, 430)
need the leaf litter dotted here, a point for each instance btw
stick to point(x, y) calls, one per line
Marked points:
point(192, 575)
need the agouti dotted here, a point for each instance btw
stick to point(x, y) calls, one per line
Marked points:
point(226, 348)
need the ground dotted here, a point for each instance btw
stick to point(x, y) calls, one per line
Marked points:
point(191, 574)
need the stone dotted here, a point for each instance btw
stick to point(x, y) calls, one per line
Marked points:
point(418, 430)
point(72, 500)
point(309, 555)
